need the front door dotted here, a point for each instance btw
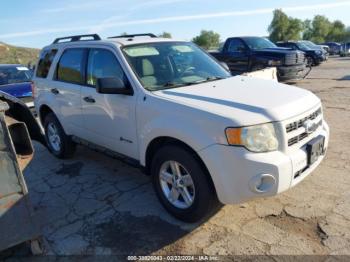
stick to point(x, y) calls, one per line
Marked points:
point(109, 119)
point(237, 55)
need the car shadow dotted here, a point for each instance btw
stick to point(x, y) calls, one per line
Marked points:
point(344, 78)
point(97, 205)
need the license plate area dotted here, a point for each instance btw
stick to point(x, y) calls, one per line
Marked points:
point(315, 149)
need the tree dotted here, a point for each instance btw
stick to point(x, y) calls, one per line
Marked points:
point(307, 29)
point(321, 27)
point(319, 30)
point(337, 32)
point(207, 40)
point(283, 28)
point(294, 29)
point(165, 35)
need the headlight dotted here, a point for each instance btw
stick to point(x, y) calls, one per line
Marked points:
point(274, 62)
point(259, 138)
point(319, 52)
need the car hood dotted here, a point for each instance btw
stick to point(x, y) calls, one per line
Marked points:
point(17, 89)
point(245, 100)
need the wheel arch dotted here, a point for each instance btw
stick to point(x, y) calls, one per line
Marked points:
point(44, 111)
point(159, 142)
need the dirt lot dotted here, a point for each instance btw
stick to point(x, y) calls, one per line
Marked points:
point(93, 204)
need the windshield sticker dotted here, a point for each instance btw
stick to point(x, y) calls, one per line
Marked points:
point(22, 68)
point(141, 51)
point(182, 48)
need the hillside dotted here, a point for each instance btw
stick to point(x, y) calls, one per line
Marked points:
point(17, 55)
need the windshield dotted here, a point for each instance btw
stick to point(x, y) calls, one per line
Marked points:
point(258, 43)
point(172, 64)
point(14, 74)
point(303, 46)
point(311, 45)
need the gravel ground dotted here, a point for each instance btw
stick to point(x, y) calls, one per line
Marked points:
point(93, 204)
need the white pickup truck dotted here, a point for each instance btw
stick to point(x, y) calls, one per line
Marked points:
point(204, 136)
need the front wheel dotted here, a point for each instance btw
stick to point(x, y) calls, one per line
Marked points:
point(310, 61)
point(182, 185)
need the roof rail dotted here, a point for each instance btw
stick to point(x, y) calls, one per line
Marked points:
point(134, 35)
point(75, 38)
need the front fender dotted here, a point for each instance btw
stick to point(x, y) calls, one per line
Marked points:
point(190, 133)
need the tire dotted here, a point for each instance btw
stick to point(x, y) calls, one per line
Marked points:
point(59, 144)
point(204, 200)
point(311, 61)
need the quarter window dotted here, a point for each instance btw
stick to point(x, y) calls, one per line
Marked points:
point(45, 62)
point(103, 64)
point(71, 66)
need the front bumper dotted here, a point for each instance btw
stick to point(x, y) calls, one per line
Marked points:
point(321, 58)
point(236, 172)
point(286, 73)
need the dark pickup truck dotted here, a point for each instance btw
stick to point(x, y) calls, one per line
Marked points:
point(246, 54)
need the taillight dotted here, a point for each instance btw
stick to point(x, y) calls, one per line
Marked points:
point(33, 89)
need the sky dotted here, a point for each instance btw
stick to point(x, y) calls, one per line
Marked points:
point(37, 23)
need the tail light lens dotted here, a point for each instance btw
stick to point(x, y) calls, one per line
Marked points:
point(33, 89)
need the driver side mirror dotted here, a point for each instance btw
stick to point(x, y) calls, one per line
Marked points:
point(113, 85)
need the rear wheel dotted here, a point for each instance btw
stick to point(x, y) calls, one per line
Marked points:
point(58, 142)
point(182, 185)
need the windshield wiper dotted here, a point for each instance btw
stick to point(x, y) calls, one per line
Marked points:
point(213, 78)
point(208, 79)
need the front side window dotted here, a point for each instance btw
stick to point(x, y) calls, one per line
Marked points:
point(14, 74)
point(45, 62)
point(103, 64)
point(71, 66)
point(172, 64)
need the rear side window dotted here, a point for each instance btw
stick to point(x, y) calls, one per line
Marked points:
point(45, 62)
point(70, 68)
point(236, 45)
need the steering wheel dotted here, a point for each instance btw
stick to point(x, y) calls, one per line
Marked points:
point(187, 70)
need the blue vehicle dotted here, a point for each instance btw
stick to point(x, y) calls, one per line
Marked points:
point(314, 57)
point(345, 49)
point(15, 80)
point(334, 48)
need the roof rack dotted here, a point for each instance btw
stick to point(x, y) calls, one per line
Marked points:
point(75, 38)
point(134, 35)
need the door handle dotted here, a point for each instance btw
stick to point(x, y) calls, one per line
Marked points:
point(55, 91)
point(89, 99)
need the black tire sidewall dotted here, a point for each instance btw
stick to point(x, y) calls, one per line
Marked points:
point(204, 195)
point(51, 118)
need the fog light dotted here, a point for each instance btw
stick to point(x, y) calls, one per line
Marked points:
point(262, 183)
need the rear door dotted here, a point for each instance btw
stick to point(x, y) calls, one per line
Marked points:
point(237, 57)
point(68, 78)
point(109, 119)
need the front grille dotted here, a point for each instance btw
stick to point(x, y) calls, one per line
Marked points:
point(302, 136)
point(295, 58)
point(297, 124)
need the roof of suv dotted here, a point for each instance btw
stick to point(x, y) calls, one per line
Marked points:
point(120, 40)
point(138, 40)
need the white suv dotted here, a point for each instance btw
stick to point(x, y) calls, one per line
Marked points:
point(204, 136)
